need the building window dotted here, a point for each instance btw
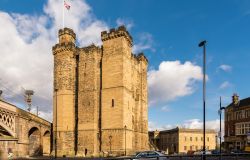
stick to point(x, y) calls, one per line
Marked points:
point(208, 139)
point(190, 138)
point(113, 102)
point(185, 148)
point(196, 139)
point(191, 148)
point(196, 148)
point(242, 128)
point(201, 138)
point(185, 138)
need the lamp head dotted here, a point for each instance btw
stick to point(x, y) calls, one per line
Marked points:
point(202, 43)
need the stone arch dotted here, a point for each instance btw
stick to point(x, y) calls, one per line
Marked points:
point(46, 143)
point(35, 148)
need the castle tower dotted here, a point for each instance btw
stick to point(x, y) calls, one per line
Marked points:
point(117, 131)
point(100, 96)
point(64, 93)
point(89, 100)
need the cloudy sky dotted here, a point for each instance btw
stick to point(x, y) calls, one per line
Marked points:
point(168, 32)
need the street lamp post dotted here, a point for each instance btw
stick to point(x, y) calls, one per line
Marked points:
point(203, 44)
point(220, 110)
point(125, 127)
point(110, 138)
point(56, 126)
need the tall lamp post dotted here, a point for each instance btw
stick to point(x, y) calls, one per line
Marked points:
point(56, 126)
point(110, 138)
point(220, 110)
point(203, 44)
point(125, 127)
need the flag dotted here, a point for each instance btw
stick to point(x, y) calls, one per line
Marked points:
point(67, 5)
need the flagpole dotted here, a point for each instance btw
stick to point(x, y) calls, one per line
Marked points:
point(63, 12)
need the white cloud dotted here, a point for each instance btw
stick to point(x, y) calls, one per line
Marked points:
point(198, 124)
point(225, 68)
point(145, 42)
point(172, 80)
point(26, 57)
point(225, 84)
point(152, 126)
point(165, 108)
point(126, 22)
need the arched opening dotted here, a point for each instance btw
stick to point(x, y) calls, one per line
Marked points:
point(35, 148)
point(46, 143)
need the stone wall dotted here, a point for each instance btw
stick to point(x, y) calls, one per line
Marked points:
point(111, 114)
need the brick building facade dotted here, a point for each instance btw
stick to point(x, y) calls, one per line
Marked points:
point(237, 123)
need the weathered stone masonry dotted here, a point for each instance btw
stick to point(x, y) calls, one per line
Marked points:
point(100, 95)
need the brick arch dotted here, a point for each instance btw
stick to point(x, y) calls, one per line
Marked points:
point(34, 136)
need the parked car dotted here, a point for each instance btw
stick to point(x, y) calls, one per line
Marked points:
point(200, 152)
point(234, 151)
point(215, 151)
point(147, 155)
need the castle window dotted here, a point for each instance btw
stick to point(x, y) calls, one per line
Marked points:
point(113, 102)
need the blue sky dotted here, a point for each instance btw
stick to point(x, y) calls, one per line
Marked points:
point(168, 32)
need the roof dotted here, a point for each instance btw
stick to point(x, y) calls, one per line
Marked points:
point(179, 129)
point(242, 103)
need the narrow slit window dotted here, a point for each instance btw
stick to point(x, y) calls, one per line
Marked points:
point(113, 102)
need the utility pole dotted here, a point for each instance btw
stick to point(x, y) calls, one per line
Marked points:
point(37, 110)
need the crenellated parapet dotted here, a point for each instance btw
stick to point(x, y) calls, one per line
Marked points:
point(61, 47)
point(90, 49)
point(67, 31)
point(115, 33)
point(142, 57)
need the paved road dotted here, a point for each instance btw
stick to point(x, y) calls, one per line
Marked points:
point(209, 157)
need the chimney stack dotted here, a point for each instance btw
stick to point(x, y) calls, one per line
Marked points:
point(235, 99)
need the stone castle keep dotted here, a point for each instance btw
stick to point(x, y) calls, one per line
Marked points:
point(100, 96)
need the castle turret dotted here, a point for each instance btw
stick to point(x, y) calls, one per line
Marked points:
point(64, 93)
point(67, 35)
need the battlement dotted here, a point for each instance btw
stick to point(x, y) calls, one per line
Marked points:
point(90, 48)
point(63, 46)
point(67, 31)
point(66, 35)
point(141, 57)
point(114, 33)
